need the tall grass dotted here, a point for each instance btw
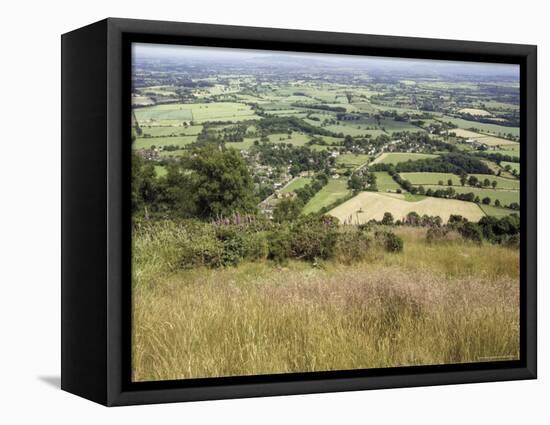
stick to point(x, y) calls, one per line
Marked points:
point(452, 302)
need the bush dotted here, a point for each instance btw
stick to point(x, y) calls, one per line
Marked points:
point(353, 245)
point(279, 245)
point(436, 234)
point(255, 246)
point(387, 219)
point(471, 231)
point(314, 237)
point(200, 247)
point(390, 241)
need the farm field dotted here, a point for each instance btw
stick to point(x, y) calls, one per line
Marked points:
point(178, 113)
point(473, 111)
point(506, 197)
point(513, 165)
point(397, 157)
point(296, 183)
point(494, 129)
point(335, 189)
point(502, 183)
point(371, 205)
point(352, 160)
point(385, 182)
point(512, 150)
point(497, 212)
point(148, 142)
point(158, 131)
point(431, 178)
point(482, 138)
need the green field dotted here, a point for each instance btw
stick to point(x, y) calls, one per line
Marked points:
point(397, 157)
point(502, 183)
point(147, 142)
point(496, 211)
point(350, 160)
point(430, 178)
point(296, 139)
point(296, 183)
point(506, 197)
point(513, 166)
point(385, 182)
point(160, 170)
point(334, 190)
point(158, 131)
point(434, 179)
point(494, 129)
point(178, 113)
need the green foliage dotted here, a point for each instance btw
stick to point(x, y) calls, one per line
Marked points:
point(221, 182)
point(389, 240)
point(387, 219)
point(287, 210)
point(471, 231)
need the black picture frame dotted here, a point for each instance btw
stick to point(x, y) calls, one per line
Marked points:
point(96, 308)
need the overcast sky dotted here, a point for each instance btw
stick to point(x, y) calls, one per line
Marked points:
point(188, 54)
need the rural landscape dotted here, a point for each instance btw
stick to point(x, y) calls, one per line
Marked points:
point(310, 212)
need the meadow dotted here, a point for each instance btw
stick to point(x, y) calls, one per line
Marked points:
point(506, 197)
point(431, 304)
point(332, 192)
point(385, 182)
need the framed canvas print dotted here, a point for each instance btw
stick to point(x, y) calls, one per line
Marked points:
point(253, 212)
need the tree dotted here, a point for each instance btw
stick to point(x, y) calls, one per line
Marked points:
point(473, 181)
point(494, 184)
point(486, 182)
point(463, 178)
point(357, 181)
point(497, 203)
point(220, 182)
point(287, 210)
point(449, 182)
point(486, 200)
point(371, 182)
point(144, 186)
point(387, 219)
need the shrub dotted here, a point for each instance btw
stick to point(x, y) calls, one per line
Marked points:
point(390, 241)
point(279, 245)
point(436, 234)
point(471, 231)
point(201, 247)
point(314, 237)
point(255, 246)
point(387, 219)
point(353, 245)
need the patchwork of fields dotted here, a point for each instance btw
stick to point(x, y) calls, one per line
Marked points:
point(239, 156)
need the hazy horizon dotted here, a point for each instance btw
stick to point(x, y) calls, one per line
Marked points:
point(183, 54)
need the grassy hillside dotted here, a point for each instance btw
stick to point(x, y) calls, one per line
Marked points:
point(428, 305)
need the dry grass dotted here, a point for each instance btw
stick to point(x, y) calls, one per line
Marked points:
point(372, 205)
point(450, 303)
